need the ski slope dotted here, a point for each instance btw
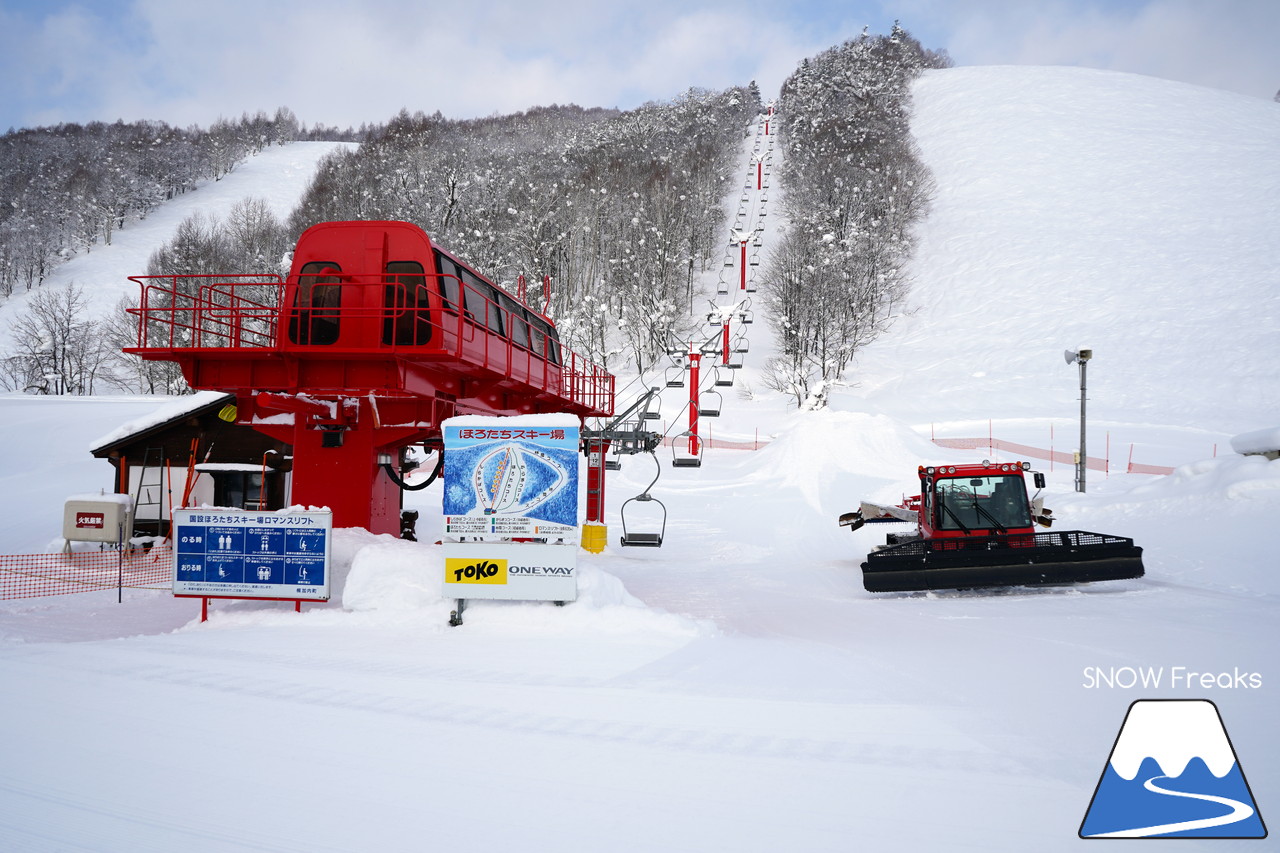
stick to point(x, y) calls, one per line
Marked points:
point(737, 689)
point(278, 175)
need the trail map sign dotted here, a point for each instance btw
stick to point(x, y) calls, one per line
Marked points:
point(242, 554)
point(511, 479)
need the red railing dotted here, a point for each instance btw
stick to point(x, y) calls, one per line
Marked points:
point(37, 575)
point(207, 312)
point(244, 314)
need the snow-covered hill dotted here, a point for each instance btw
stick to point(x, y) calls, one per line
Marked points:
point(277, 176)
point(1081, 208)
point(737, 689)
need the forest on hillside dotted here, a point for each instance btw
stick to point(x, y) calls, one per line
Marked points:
point(621, 211)
point(853, 188)
point(70, 187)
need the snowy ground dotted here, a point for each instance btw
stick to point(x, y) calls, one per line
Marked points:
point(737, 689)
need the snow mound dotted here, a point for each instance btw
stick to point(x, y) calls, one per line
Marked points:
point(1226, 479)
point(828, 455)
point(1258, 441)
point(390, 574)
point(394, 578)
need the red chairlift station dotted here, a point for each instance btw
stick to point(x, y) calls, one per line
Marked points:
point(375, 338)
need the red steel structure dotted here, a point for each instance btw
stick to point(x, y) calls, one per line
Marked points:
point(375, 338)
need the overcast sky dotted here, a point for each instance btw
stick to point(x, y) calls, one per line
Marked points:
point(342, 63)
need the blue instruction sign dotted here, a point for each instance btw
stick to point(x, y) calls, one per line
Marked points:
point(245, 554)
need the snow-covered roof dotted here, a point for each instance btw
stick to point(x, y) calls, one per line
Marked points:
point(180, 408)
point(556, 419)
point(1258, 441)
point(101, 497)
point(211, 467)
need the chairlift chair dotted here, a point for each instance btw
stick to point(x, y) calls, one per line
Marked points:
point(686, 461)
point(746, 318)
point(633, 538)
point(711, 409)
point(725, 379)
point(675, 376)
point(741, 344)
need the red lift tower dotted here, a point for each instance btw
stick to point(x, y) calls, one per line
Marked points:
point(375, 338)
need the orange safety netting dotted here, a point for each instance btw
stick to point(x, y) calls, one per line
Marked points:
point(1094, 463)
point(36, 575)
point(717, 443)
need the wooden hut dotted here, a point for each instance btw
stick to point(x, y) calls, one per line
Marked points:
point(192, 453)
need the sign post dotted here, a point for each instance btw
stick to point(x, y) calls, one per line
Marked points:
point(511, 510)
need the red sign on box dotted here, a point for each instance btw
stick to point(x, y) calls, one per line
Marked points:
point(90, 521)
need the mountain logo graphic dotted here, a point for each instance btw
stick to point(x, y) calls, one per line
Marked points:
point(1173, 773)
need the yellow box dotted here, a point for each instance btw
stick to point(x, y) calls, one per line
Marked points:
point(594, 537)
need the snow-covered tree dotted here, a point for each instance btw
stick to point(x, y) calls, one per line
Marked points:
point(56, 348)
point(854, 188)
